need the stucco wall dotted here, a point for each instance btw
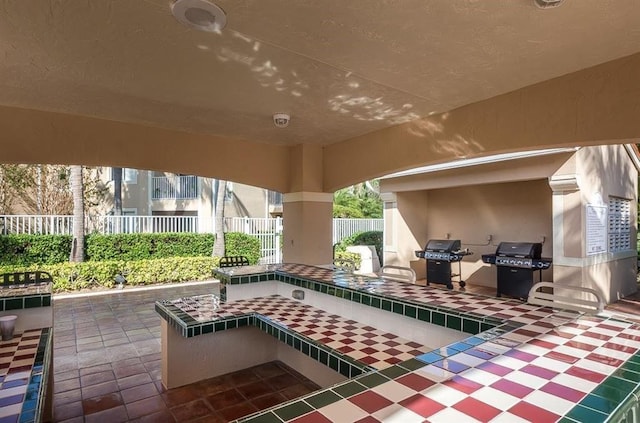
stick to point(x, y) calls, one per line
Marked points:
point(600, 172)
point(506, 211)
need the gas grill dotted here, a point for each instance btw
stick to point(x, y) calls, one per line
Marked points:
point(516, 263)
point(439, 254)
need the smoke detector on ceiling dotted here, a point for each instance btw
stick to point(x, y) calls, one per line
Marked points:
point(199, 14)
point(547, 4)
point(281, 120)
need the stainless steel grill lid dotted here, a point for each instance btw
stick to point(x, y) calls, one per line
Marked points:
point(520, 249)
point(443, 245)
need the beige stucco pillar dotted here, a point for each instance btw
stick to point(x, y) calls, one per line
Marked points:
point(583, 191)
point(307, 211)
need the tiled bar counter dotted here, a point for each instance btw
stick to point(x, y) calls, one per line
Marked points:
point(25, 360)
point(514, 362)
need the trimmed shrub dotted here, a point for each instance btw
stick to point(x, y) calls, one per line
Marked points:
point(147, 246)
point(23, 250)
point(92, 274)
point(239, 244)
point(364, 238)
point(347, 255)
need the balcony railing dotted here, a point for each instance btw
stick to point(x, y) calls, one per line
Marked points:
point(174, 187)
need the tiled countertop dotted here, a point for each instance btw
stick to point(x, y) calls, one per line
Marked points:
point(536, 365)
point(24, 370)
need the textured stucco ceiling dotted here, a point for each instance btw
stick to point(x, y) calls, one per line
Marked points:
point(341, 68)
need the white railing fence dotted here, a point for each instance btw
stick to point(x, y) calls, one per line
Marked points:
point(174, 187)
point(344, 227)
point(268, 230)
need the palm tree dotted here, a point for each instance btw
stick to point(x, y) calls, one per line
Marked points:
point(77, 191)
point(218, 244)
point(117, 196)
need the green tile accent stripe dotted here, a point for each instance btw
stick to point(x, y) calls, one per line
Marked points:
point(467, 322)
point(612, 399)
point(319, 352)
point(25, 301)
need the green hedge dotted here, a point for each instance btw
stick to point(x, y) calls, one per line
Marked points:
point(239, 244)
point(24, 250)
point(147, 246)
point(27, 250)
point(92, 274)
point(364, 238)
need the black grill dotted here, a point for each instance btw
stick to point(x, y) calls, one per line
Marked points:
point(516, 262)
point(439, 254)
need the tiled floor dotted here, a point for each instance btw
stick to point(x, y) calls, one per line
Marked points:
point(107, 367)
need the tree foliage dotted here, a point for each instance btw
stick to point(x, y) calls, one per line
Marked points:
point(358, 201)
point(43, 189)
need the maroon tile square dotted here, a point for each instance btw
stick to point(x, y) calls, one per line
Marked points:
point(526, 332)
point(463, 385)
point(562, 334)
point(539, 371)
point(608, 327)
point(543, 344)
point(367, 419)
point(495, 369)
point(596, 335)
point(580, 345)
point(369, 350)
point(622, 348)
point(521, 355)
point(565, 392)
point(610, 361)
point(392, 360)
point(370, 401)
point(346, 349)
point(391, 343)
point(512, 388)
point(368, 360)
point(477, 409)
point(526, 411)
point(422, 405)
point(415, 382)
point(566, 358)
point(392, 351)
point(582, 373)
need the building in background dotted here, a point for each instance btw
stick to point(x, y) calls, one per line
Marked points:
point(152, 193)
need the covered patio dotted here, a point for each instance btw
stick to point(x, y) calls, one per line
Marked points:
point(305, 98)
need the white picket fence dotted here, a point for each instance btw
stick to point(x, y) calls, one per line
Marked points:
point(268, 230)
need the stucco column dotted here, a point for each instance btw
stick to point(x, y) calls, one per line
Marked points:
point(308, 227)
point(307, 211)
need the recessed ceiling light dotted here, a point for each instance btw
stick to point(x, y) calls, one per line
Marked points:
point(199, 14)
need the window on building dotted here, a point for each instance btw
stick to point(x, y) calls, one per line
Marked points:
point(129, 176)
point(619, 224)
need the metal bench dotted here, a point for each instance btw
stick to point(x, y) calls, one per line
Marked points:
point(546, 299)
point(397, 273)
point(233, 261)
point(25, 278)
